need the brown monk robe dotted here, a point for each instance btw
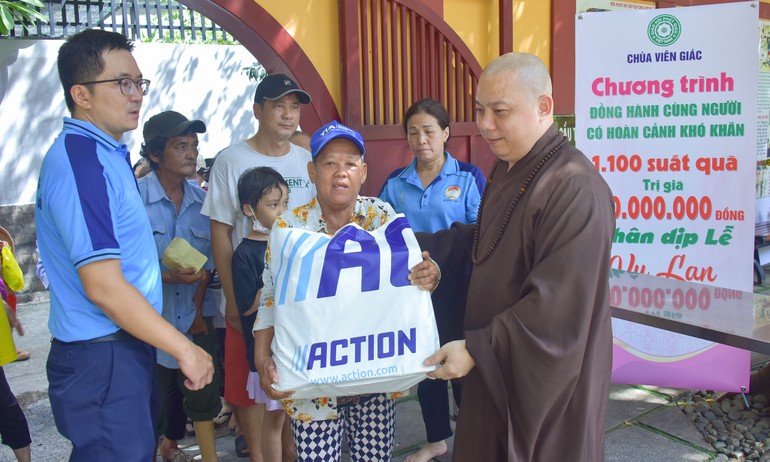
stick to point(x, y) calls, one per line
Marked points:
point(537, 320)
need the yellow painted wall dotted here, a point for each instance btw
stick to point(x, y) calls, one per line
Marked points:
point(532, 28)
point(314, 24)
point(477, 24)
point(475, 21)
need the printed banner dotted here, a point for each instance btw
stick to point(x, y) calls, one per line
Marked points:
point(667, 112)
point(680, 361)
point(763, 134)
point(588, 6)
point(347, 320)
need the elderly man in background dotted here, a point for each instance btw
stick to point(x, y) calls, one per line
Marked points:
point(174, 206)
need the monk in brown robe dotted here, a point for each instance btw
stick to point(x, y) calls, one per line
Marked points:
point(537, 353)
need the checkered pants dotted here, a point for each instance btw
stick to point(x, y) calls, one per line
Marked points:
point(369, 428)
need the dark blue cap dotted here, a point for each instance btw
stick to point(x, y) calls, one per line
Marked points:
point(331, 131)
point(276, 86)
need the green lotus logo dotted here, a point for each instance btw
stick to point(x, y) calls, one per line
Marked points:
point(664, 30)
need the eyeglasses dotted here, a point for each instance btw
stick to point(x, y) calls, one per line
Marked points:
point(127, 85)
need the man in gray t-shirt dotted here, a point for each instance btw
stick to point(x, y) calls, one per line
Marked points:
point(277, 108)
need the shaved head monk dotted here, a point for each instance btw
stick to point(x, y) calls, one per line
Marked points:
point(537, 353)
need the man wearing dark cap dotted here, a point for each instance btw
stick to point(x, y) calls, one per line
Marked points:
point(174, 205)
point(277, 108)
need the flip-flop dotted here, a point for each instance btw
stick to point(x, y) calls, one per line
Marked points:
point(241, 448)
point(179, 456)
point(222, 418)
point(22, 355)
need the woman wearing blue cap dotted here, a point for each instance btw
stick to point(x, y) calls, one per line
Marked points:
point(338, 171)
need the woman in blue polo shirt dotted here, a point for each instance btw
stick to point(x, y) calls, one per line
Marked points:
point(434, 191)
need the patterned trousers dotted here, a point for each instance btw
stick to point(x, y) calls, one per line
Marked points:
point(369, 427)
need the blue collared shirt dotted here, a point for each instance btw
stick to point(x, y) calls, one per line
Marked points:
point(454, 195)
point(89, 209)
point(188, 224)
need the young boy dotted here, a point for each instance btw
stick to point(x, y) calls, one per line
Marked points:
point(263, 195)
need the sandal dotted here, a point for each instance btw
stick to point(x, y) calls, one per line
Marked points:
point(241, 448)
point(179, 456)
point(223, 417)
point(22, 355)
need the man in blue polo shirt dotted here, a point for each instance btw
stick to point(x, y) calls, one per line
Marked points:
point(101, 262)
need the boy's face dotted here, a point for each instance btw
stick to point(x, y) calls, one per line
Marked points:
point(272, 204)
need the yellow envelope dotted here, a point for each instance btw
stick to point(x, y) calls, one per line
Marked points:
point(180, 254)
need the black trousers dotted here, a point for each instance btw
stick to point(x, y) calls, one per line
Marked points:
point(449, 308)
point(434, 403)
point(13, 424)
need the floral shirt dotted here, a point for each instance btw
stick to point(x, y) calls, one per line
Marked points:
point(370, 213)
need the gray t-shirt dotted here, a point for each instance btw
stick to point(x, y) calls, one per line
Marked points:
point(222, 202)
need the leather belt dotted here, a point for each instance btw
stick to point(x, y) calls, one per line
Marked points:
point(118, 336)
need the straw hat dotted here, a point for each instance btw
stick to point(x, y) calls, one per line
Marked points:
point(6, 236)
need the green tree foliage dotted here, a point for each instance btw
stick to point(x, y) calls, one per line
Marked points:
point(256, 72)
point(23, 11)
point(174, 18)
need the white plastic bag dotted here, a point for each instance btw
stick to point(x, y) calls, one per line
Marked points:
point(347, 321)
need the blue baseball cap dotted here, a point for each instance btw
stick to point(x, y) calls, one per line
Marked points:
point(331, 131)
